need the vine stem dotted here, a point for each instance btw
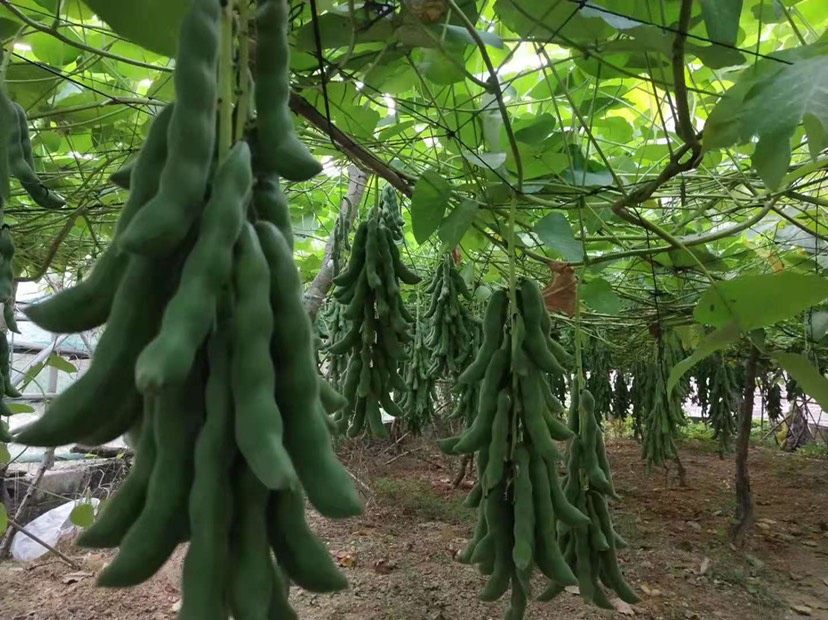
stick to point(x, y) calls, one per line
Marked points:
point(493, 86)
point(513, 309)
point(243, 92)
point(226, 72)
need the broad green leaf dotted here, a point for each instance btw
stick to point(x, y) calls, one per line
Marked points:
point(817, 325)
point(482, 293)
point(614, 129)
point(721, 18)
point(153, 24)
point(56, 361)
point(711, 343)
point(5, 457)
point(717, 56)
point(82, 515)
point(456, 223)
point(760, 301)
point(442, 68)
point(534, 130)
point(458, 33)
point(490, 161)
point(335, 31)
point(599, 295)
point(8, 28)
point(556, 233)
point(586, 178)
point(20, 408)
point(770, 102)
point(562, 21)
point(4, 519)
point(53, 51)
point(690, 259)
point(428, 204)
point(809, 378)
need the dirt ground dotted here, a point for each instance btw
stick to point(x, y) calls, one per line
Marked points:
point(398, 556)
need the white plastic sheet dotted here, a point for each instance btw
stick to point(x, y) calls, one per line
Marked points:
point(49, 527)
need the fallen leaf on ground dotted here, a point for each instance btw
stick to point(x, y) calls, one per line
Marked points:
point(705, 564)
point(345, 560)
point(802, 610)
point(622, 608)
point(75, 577)
point(573, 590)
point(383, 567)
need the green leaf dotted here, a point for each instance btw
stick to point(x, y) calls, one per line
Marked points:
point(562, 21)
point(82, 515)
point(599, 295)
point(153, 24)
point(556, 233)
point(336, 30)
point(456, 223)
point(444, 68)
point(534, 130)
point(5, 457)
point(760, 301)
point(721, 18)
point(809, 378)
point(770, 101)
point(816, 325)
point(489, 161)
point(460, 34)
point(4, 519)
point(56, 361)
point(20, 408)
point(690, 259)
point(53, 51)
point(711, 343)
point(428, 204)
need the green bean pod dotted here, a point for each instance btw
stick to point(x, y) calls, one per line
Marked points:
point(163, 520)
point(304, 558)
point(135, 316)
point(306, 437)
point(20, 157)
point(272, 206)
point(165, 220)
point(281, 152)
point(259, 427)
point(205, 569)
point(250, 580)
point(189, 315)
point(87, 304)
point(121, 511)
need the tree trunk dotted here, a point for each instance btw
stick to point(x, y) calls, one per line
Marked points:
point(464, 465)
point(744, 498)
point(318, 289)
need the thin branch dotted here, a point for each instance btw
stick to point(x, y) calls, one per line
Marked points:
point(15, 525)
point(46, 463)
point(493, 86)
point(684, 126)
point(353, 151)
point(130, 101)
point(53, 248)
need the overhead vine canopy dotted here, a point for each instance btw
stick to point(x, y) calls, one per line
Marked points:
point(660, 162)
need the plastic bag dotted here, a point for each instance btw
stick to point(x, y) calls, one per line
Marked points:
point(49, 527)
